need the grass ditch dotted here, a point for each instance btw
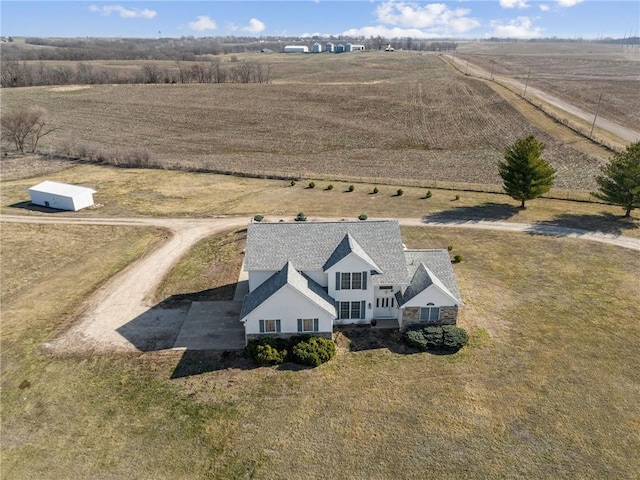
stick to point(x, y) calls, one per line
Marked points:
point(142, 192)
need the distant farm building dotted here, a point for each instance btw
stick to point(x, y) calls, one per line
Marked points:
point(339, 48)
point(329, 47)
point(316, 48)
point(61, 196)
point(350, 47)
point(296, 49)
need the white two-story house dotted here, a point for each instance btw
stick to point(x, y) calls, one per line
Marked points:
point(306, 278)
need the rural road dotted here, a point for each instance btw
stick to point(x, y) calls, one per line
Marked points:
point(127, 295)
point(620, 131)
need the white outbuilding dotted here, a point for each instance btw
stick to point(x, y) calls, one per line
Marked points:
point(296, 49)
point(61, 196)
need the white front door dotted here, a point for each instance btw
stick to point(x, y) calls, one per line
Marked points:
point(385, 305)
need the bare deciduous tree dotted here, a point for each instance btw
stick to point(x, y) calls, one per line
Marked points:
point(25, 127)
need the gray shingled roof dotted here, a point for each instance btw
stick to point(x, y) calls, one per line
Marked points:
point(288, 275)
point(346, 246)
point(438, 270)
point(310, 245)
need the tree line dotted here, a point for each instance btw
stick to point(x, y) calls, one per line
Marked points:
point(22, 74)
point(190, 48)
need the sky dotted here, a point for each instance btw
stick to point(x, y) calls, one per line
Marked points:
point(585, 19)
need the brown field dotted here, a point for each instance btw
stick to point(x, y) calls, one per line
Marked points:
point(406, 116)
point(575, 72)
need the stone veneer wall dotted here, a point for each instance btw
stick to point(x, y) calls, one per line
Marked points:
point(253, 336)
point(411, 316)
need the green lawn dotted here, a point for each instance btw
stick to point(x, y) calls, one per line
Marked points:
point(547, 387)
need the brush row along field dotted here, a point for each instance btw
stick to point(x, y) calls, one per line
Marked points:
point(575, 72)
point(376, 115)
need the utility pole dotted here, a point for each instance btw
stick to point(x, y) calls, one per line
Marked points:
point(595, 116)
point(526, 84)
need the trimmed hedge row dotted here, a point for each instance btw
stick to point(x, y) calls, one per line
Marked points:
point(449, 338)
point(305, 350)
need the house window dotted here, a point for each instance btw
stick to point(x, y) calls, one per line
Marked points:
point(270, 326)
point(355, 309)
point(345, 309)
point(351, 281)
point(307, 324)
point(352, 310)
point(430, 314)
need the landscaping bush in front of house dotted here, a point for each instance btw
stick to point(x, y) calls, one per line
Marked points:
point(314, 351)
point(267, 351)
point(305, 350)
point(447, 338)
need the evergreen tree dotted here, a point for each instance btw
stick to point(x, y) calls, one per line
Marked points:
point(620, 183)
point(525, 174)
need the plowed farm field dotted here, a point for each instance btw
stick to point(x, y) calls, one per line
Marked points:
point(401, 116)
point(576, 72)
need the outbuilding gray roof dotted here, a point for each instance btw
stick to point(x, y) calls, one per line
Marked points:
point(309, 246)
point(288, 276)
point(426, 267)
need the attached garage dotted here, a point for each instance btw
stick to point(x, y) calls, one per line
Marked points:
point(61, 196)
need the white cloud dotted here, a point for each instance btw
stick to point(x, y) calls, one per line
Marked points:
point(202, 23)
point(255, 26)
point(394, 32)
point(544, 7)
point(124, 12)
point(406, 19)
point(520, 27)
point(514, 4)
point(411, 18)
point(569, 3)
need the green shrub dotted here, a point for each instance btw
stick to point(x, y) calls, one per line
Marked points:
point(362, 216)
point(454, 338)
point(313, 351)
point(375, 190)
point(457, 258)
point(449, 248)
point(312, 184)
point(433, 336)
point(415, 338)
point(351, 188)
point(400, 192)
point(301, 217)
point(457, 197)
point(293, 183)
point(329, 187)
point(267, 351)
point(258, 218)
point(449, 338)
point(428, 194)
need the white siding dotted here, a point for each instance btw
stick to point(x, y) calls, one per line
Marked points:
point(62, 196)
point(431, 294)
point(257, 278)
point(52, 200)
point(287, 305)
point(317, 276)
point(352, 264)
